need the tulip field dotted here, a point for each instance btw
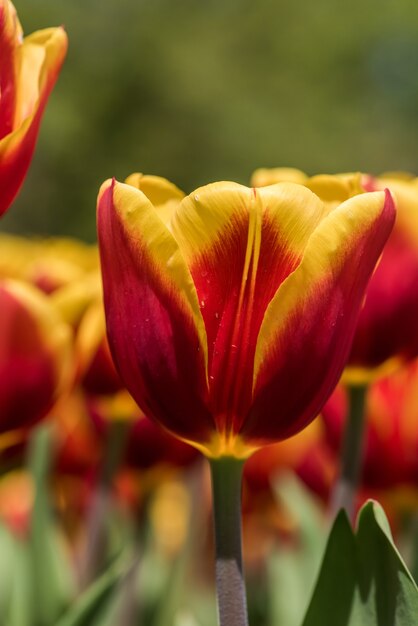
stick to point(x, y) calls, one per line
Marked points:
point(209, 414)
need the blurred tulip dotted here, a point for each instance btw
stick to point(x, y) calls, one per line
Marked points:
point(75, 298)
point(28, 70)
point(387, 332)
point(35, 356)
point(96, 370)
point(16, 501)
point(148, 445)
point(58, 262)
point(305, 454)
point(77, 446)
point(230, 316)
point(49, 264)
point(391, 437)
point(270, 176)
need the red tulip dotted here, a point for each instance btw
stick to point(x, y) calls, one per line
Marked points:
point(28, 70)
point(35, 356)
point(230, 315)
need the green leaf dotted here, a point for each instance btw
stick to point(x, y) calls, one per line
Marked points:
point(9, 565)
point(20, 610)
point(97, 604)
point(363, 579)
point(51, 582)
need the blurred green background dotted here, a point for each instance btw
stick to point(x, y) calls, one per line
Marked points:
point(202, 90)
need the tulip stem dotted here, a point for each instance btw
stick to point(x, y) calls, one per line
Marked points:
point(226, 489)
point(345, 489)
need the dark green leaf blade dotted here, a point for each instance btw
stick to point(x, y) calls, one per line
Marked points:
point(363, 579)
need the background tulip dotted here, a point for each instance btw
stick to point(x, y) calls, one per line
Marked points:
point(386, 333)
point(28, 70)
point(391, 434)
point(35, 356)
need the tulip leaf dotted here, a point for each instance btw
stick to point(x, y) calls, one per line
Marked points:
point(8, 568)
point(363, 579)
point(22, 602)
point(96, 606)
point(51, 582)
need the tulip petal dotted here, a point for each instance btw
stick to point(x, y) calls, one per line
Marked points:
point(10, 39)
point(36, 358)
point(158, 190)
point(266, 176)
point(156, 332)
point(387, 331)
point(240, 244)
point(41, 57)
point(308, 327)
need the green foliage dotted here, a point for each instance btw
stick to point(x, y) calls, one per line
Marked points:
point(35, 572)
point(49, 566)
point(292, 569)
point(363, 579)
point(96, 606)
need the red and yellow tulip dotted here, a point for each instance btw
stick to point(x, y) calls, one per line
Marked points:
point(387, 331)
point(35, 356)
point(231, 314)
point(391, 438)
point(28, 70)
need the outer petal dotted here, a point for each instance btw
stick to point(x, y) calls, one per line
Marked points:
point(308, 327)
point(240, 244)
point(35, 355)
point(155, 329)
point(40, 59)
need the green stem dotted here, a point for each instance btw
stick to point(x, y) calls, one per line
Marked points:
point(96, 546)
point(226, 489)
point(352, 454)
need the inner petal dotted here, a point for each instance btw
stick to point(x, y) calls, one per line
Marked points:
point(240, 245)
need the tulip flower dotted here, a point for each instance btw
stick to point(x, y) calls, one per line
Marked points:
point(391, 432)
point(230, 317)
point(306, 454)
point(386, 333)
point(35, 356)
point(96, 370)
point(28, 70)
point(230, 323)
point(148, 444)
point(49, 264)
